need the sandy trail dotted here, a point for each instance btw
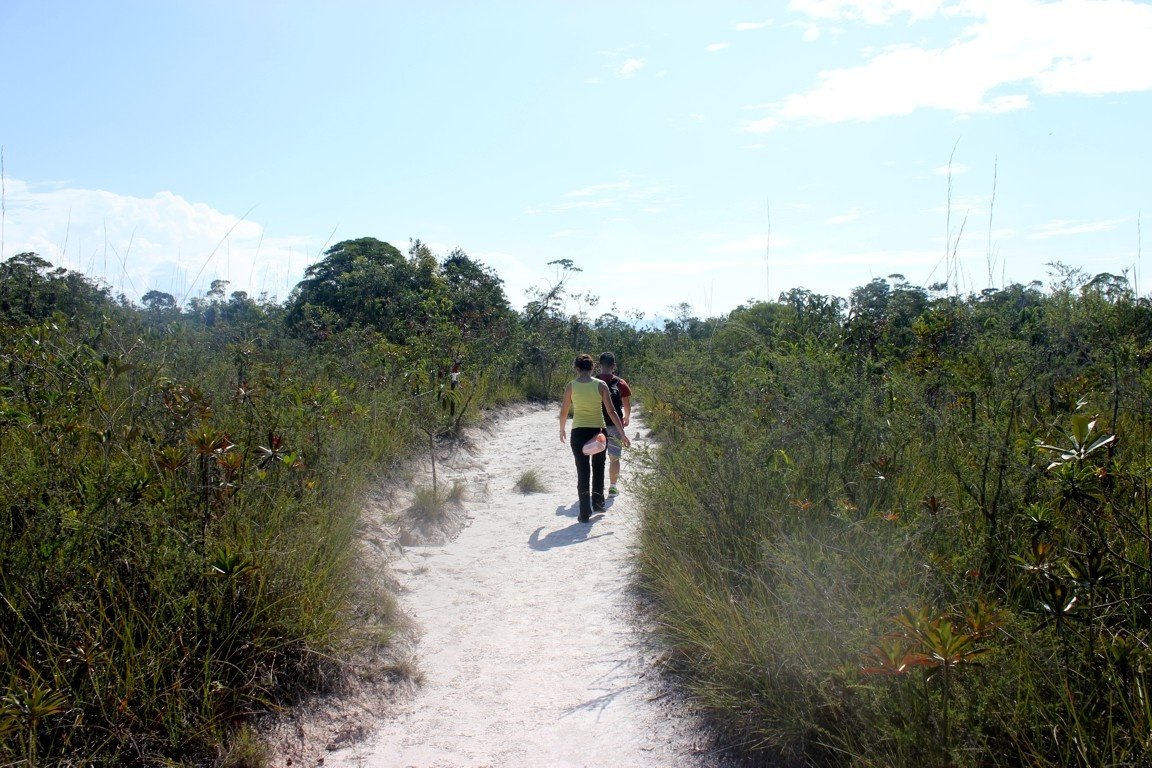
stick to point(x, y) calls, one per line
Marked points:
point(530, 648)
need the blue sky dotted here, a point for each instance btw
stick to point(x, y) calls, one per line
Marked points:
point(699, 152)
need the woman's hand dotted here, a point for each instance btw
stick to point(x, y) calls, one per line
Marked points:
point(565, 405)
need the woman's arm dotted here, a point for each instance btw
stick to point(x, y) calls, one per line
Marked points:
point(564, 406)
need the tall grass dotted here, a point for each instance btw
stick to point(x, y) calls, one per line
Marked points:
point(175, 535)
point(917, 545)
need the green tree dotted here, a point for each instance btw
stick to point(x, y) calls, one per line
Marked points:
point(358, 282)
point(31, 290)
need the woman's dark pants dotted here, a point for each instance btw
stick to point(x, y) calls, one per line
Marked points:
point(588, 468)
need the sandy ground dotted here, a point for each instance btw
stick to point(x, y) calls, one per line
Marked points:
point(530, 648)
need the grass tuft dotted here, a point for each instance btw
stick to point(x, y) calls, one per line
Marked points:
point(246, 750)
point(530, 482)
point(430, 508)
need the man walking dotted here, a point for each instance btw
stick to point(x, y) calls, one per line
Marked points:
point(622, 403)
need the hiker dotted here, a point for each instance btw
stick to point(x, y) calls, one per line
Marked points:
point(588, 399)
point(621, 395)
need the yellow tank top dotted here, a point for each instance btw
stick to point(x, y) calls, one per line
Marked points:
point(586, 404)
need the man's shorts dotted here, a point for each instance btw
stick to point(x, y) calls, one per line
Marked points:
point(615, 447)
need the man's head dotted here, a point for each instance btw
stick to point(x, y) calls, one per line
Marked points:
point(608, 362)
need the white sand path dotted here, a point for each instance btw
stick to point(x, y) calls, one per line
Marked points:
point(531, 650)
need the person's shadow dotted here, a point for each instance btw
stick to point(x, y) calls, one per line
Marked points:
point(575, 533)
point(573, 510)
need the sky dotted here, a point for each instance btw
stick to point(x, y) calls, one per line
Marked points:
point(701, 153)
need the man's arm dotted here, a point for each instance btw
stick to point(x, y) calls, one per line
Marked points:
point(606, 398)
point(626, 400)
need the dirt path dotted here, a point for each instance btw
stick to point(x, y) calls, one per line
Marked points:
point(530, 651)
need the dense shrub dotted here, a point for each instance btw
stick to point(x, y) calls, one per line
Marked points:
point(174, 536)
point(915, 532)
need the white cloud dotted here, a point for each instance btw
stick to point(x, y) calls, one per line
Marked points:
point(713, 47)
point(597, 189)
point(869, 11)
point(747, 26)
point(1069, 47)
point(889, 258)
point(1105, 47)
point(163, 242)
point(753, 246)
point(1062, 228)
point(518, 273)
point(961, 206)
point(764, 125)
point(955, 169)
point(615, 196)
point(850, 215)
point(691, 267)
point(630, 67)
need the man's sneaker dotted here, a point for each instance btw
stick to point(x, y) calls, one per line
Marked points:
point(612, 491)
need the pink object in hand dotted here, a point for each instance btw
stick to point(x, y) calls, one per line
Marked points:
point(595, 445)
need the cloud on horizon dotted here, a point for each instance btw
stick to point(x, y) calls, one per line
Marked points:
point(163, 242)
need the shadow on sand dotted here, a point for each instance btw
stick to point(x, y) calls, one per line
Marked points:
point(573, 534)
point(573, 510)
point(615, 682)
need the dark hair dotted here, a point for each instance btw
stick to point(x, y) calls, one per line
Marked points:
point(607, 358)
point(583, 362)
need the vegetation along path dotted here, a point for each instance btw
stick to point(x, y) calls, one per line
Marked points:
point(531, 651)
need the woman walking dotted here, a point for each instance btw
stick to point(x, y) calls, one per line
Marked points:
point(588, 399)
